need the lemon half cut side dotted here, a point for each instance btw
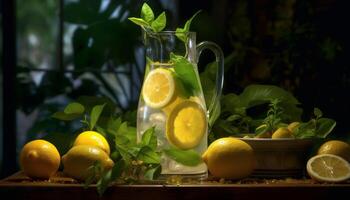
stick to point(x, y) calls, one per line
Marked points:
point(328, 168)
point(158, 88)
point(186, 125)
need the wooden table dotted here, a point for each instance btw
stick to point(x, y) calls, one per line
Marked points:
point(18, 186)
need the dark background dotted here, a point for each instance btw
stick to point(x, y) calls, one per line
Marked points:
point(57, 50)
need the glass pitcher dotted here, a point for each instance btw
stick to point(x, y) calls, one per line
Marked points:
point(172, 100)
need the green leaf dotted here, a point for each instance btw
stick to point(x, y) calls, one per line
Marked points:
point(258, 94)
point(65, 117)
point(134, 151)
point(153, 173)
point(127, 132)
point(181, 33)
point(159, 23)
point(318, 113)
point(324, 127)
point(185, 157)
point(147, 13)
point(110, 176)
point(185, 72)
point(149, 139)
point(230, 103)
point(139, 21)
point(188, 22)
point(148, 155)
point(124, 153)
point(255, 95)
point(74, 108)
point(113, 125)
point(233, 117)
point(95, 114)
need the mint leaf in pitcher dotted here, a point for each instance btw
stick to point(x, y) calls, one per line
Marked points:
point(184, 71)
point(185, 157)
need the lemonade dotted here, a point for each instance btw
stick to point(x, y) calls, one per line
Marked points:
point(180, 119)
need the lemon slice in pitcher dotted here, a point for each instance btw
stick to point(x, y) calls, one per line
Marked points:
point(158, 88)
point(186, 125)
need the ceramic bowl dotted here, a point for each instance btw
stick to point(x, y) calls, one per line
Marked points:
point(278, 158)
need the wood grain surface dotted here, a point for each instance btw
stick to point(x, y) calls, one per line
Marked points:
point(18, 186)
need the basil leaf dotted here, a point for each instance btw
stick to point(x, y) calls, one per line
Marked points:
point(139, 21)
point(153, 173)
point(149, 139)
point(66, 117)
point(185, 72)
point(147, 13)
point(159, 23)
point(148, 155)
point(95, 114)
point(74, 108)
point(324, 127)
point(185, 157)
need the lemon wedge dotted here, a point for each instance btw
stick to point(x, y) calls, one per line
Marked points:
point(328, 168)
point(186, 125)
point(158, 88)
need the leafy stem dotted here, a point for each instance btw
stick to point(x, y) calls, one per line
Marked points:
point(273, 118)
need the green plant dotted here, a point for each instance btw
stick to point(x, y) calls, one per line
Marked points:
point(134, 161)
point(183, 68)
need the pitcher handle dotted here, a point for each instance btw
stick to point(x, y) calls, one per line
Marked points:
point(219, 58)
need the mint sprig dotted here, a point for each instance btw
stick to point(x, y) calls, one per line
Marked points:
point(147, 21)
point(181, 32)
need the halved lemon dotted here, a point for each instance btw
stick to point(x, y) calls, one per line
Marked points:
point(186, 125)
point(158, 88)
point(328, 168)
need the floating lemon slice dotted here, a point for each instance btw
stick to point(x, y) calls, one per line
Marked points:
point(186, 125)
point(328, 168)
point(158, 88)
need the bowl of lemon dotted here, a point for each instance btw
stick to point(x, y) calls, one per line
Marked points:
point(279, 153)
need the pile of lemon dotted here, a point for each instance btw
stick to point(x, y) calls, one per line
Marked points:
point(282, 132)
point(186, 122)
point(41, 159)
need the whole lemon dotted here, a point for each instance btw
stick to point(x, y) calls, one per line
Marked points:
point(282, 133)
point(94, 139)
point(229, 158)
point(78, 160)
point(39, 159)
point(335, 147)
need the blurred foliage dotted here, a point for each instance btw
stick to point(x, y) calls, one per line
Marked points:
point(265, 42)
point(103, 62)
